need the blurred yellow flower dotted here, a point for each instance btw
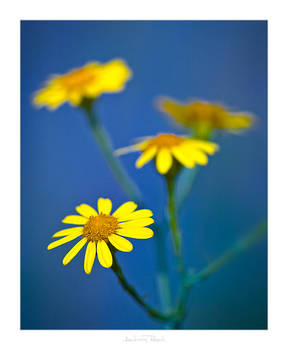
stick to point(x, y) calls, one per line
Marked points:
point(166, 147)
point(100, 229)
point(204, 116)
point(89, 81)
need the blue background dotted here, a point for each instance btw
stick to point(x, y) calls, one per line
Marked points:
point(223, 61)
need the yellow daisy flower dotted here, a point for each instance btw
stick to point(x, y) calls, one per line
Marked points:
point(100, 229)
point(89, 81)
point(166, 147)
point(203, 115)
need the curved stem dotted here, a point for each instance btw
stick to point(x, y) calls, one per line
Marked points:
point(243, 244)
point(105, 145)
point(132, 191)
point(130, 289)
point(233, 252)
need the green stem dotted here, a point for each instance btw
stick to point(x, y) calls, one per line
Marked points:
point(173, 221)
point(106, 147)
point(131, 190)
point(129, 289)
point(239, 247)
point(162, 275)
point(186, 181)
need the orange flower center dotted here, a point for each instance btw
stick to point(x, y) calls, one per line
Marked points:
point(78, 78)
point(166, 141)
point(100, 227)
point(206, 113)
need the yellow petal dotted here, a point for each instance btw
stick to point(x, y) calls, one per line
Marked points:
point(74, 251)
point(196, 155)
point(163, 161)
point(114, 75)
point(104, 254)
point(136, 232)
point(68, 231)
point(120, 243)
point(52, 97)
point(63, 240)
point(182, 157)
point(199, 157)
point(125, 209)
point(173, 108)
point(146, 156)
point(104, 206)
point(208, 147)
point(137, 223)
point(89, 257)
point(139, 214)
point(75, 220)
point(237, 121)
point(75, 97)
point(86, 210)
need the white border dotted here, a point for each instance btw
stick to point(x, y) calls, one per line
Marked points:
point(12, 337)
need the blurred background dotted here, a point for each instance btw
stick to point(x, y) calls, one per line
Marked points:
point(61, 167)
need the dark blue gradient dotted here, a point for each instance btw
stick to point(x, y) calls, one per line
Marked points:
point(219, 61)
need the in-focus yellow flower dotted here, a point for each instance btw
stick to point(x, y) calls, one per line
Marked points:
point(166, 147)
point(101, 229)
point(202, 116)
point(89, 81)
